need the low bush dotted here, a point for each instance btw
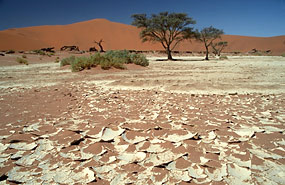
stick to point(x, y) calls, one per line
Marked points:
point(105, 63)
point(110, 59)
point(96, 58)
point(223, 58)
point(283, 55)
point(24, 56)
point(79, 64)
point(119, 54)
point(139, 59)
point(22, 61)
point(67, 61)
point(108, 62)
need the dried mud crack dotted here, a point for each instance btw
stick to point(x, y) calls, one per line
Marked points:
point(86, 134)
point(93, 132)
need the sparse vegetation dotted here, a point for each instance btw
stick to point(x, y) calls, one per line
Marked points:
point(24, 56)
point(108, 63)
point(283, 55)
point(22, 61)
point(119, 55)
point(139, 59)
point(115, 59)
point(80, 63)
point(67, 61)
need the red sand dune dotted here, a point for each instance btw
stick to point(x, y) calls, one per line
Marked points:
point(117, 36)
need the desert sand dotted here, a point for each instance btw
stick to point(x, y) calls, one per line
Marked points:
point(117, 36)
point(173, 122)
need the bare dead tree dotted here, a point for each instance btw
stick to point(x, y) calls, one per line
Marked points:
point(100, 45)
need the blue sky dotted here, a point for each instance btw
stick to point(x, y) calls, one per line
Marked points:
point(235, 17)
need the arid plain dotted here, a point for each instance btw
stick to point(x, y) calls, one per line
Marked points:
point(173, 122)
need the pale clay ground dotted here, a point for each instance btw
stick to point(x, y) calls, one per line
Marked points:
point(176, 122)
point(245, 74)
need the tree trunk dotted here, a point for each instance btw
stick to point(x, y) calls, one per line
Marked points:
point(207, 53)
point(100, 45)
point(169, 56)
point(221, 50)
point(101, 48)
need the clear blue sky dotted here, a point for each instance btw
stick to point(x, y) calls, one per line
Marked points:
point(236, 17)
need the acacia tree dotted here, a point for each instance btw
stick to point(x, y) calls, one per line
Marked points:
point(167, 28)
point(218, 47)
point(207, 36)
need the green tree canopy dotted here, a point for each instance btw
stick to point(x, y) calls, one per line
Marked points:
point(167, 28)
point(207, 36)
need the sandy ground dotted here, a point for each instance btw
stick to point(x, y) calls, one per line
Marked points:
point(174, 122)
point(239, 74)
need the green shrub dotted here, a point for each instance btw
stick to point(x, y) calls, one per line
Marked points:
point(139, 59)
point(121, 54)
point(110, 59)
point(283, 55)
point(96, 58)
point(22, 61)
point(105, 63)
point(127, 58)
point(223, 58)
point(24, 56)
point(79, 64)
point(89, 63)
point(118, 65)
point(67, 61)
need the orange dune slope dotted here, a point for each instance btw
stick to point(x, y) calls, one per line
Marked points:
point(117, 36)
